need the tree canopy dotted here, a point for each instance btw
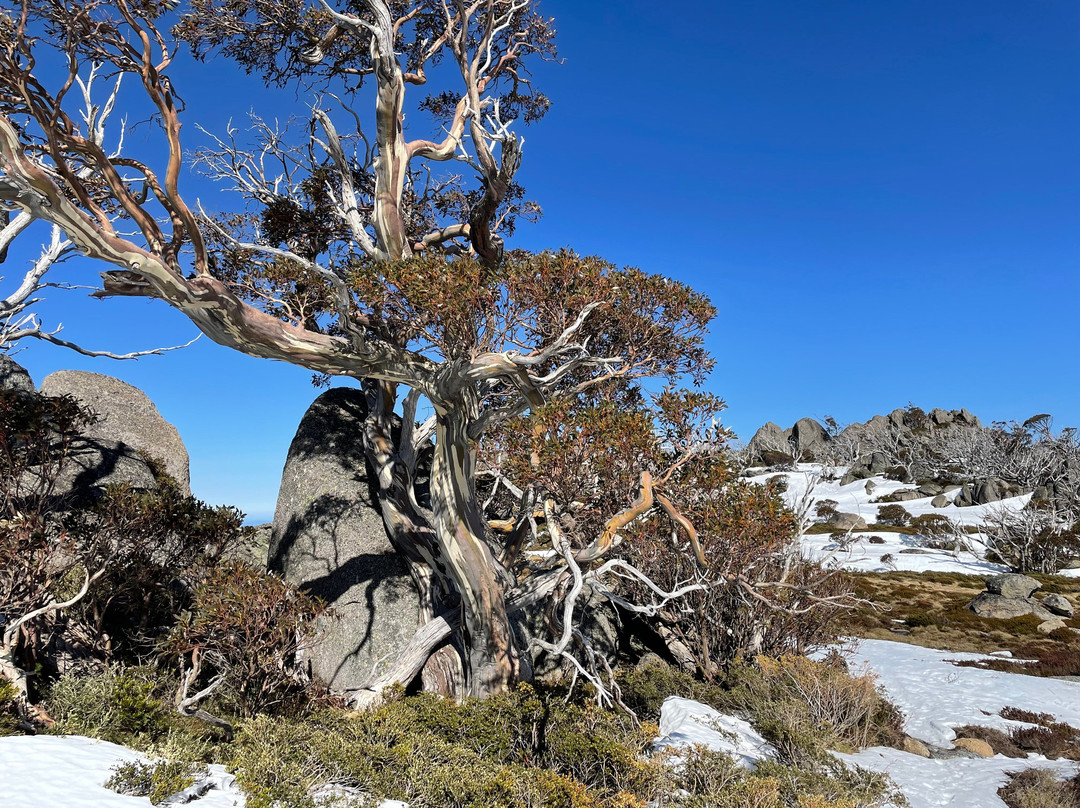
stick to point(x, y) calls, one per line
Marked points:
point(358, 249)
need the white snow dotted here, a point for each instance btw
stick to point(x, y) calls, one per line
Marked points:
point(956, 783)
point(71, 771)
point(865, 556)
point(684, 723)
point(936, 696)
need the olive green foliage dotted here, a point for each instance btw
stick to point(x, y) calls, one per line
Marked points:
point(896, 515)
point(714, 780)
point(530, 747)
point(8, 716)
point(520, 748)
point(805, 707)
point(115, 704)
point(247, 626)
point(1040, 788)
point(157, 781)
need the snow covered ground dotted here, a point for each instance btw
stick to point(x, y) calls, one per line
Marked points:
point(46, 771)
point(684, 722)
point(936, 696)
point(896, 551)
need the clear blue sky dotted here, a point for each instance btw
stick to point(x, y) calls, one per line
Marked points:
point(882, 199)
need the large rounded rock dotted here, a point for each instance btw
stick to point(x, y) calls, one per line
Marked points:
point(328, 538)
point(770, 445)
point(1012, 585)
point(810, 438)
point(847, 522)
point(126, 418)
point(1059, 605)
point(14, 376)
point(999, 607)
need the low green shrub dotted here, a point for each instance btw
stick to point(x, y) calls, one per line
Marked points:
point(520, 748)
point(805, 707)
point(895, 515)
point(1040, 788)
point(158, 781)
point(115, 704)
point(9, 722)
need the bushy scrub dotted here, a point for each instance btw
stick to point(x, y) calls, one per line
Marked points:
point(895, 515)
point(932, 525)
point(8, 707)
point(157, 781)
point(159, 543)
point(805, 707)
point(761, 595)
point(245, 629)
point(1040, 788)
point(520, 748)
point(115, 704)
point(825, 508)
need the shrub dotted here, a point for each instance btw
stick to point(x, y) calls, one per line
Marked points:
point(527, 747)
point(1033, 539)
point(159, 543)
point(246, 628)
point(895, 515)
point(1051, 740)
point(38, 558)
point(158, 781)
point(805, 707)
point(825, 508)
point(933, 524)
point(1040, 788)
point(999, 741)
point(876, 540)
point(115, 704)
point(9, 719)
point(748, 534)
point(1027, 716)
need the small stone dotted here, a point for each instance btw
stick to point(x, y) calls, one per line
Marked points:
point(1051, 625)
point(975, 745)
point(940, 501)
point(1012, 585)
point(1059, 605)
point(913, 746)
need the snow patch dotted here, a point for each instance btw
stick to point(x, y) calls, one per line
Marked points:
point(71, 771)
point(936, 696)
point(955, 783)
point(685, 723)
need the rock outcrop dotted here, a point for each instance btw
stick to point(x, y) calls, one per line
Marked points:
point(1059, 605)
point(1008, 596)
point(14, 376)
point(846, 522)
point(127, 423)
point(983, 492)
point(809, 439)
point(328, 538)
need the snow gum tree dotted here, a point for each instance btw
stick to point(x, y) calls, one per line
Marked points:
point(363, 248)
